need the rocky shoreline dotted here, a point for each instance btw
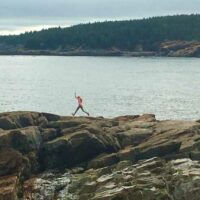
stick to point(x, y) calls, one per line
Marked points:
point(48, 157)
point(166, 49)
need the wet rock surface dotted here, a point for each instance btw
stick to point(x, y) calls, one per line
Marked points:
point(45, 156)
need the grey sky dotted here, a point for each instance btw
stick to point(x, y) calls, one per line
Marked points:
point(20, 15)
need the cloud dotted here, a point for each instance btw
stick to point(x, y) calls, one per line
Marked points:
point(94, 8)
point(15, 30)
point(32, 13)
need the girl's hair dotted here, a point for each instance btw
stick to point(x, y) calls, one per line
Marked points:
point(80, 98)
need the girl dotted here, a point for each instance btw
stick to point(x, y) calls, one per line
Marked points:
point(80, 105)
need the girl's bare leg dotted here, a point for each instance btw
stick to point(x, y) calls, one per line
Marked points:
point(76, 111)
point(84, 111)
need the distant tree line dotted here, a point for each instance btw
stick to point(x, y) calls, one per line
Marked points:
point(123, 35)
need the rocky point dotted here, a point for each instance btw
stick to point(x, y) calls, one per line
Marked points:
point(48, 157)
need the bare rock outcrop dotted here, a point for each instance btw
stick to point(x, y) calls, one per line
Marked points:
point(181, 48)
point(45, 156)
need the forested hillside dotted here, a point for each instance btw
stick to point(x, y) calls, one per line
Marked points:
point(143, 34)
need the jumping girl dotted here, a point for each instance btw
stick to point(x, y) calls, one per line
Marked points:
point(80, 105)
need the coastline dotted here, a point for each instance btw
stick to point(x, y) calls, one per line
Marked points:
point(165, 49)
point(81, 53)
point(95, 54)
point(44, 156)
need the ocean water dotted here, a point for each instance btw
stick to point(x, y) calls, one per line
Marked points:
point(109, 86)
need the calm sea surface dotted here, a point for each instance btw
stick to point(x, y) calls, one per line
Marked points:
point(110, 86)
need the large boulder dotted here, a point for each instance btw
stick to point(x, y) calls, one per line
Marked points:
point(49, 134)
point(11, 162)
point(186, 132)
point(24, 140)
point(51, 117)
point(6, 123)
point(72, 149)
point(133, 137)
point(18, 120)
point(170, 138)
point(160, 150)
point(13, 120)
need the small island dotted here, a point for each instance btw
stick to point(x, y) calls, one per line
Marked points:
point(46, 156)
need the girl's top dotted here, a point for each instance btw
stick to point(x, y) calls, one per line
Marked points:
point(80, 101)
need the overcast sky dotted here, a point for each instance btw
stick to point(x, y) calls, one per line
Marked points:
point(17, 16)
